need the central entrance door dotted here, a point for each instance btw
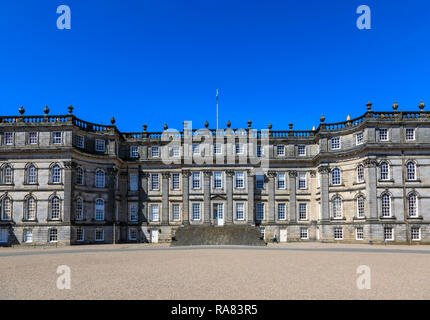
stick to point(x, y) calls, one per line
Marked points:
point(154, 236)
point(283, 235)
point(218, 213)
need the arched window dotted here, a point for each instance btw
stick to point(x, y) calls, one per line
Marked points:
point(360, 173)
point(6, 209)
point(412, 205)
point(31, 174)
point(100, 178)
point(335, 176)
point(384, 171)
point(360, 207)
point(337, 207)
point(55, 208)
point(56, 174)
point(7, 175)
point(80, 176)
point(386, 205)
point(30, 209)
point(100, 210)
point(411, 170)
point(79, 209)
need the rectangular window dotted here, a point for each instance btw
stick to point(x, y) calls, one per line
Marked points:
point(100, 234)
point(8, 138)
point(134, 182)
point(155, 213)
point(260, 211)
point(28, 236)
point(155, 152)
point(175, 151)
point(304, 233)
point(155, 181)
point(196, 211)
point(388, 234)
point(335, 143)
point(4, 235)
point(56, 138)
point(239, 148)
point(175, 181)
point(359, 138)
point(32, 138)
point(383, 134)
point(196, 180)
point(359, 233)
point(217, 180)
point(415, 234)
point(53, 235)
point(175, 212)
point(259, 182)
point(240, 211)
point(281, 211)
point(79, 234)
point(239, 180)
point(100, 145)
point(303, 211)
point(80, 142)
point(134, 152)
point(132, 234)
point(410, 134)
point(281, 181)
point(260, 151)
point(338, 233)
point(133, 212)
point(196, 148)
point(301, 150)
point(217, 148)
point(280, 150)
point(302, 180)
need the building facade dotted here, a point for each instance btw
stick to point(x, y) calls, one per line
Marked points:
point(67, 181)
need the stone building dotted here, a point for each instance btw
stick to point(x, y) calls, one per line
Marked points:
point(67, 181)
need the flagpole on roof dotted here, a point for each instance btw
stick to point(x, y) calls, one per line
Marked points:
point(217, 109)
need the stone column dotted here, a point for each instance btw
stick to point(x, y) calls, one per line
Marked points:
point(185, 197)
point(165, 198)
point(251, 217)
point(271, 196)
point(229, 190)
point(207, 197)
point(293, 202)
point(144, 197)
point(371, 182)
point(324, 186)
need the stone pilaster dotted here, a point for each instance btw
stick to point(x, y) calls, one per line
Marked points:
point(165, 197)
point(251, 217)
point(371, 182)
point(185, 196)
point(229, 190)
point(68, 190)
point(207, 197)
point(271, 196)
point(324, 186)
point(144, 197)
point(293, 202)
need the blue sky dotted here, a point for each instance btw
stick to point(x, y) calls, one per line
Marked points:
point(159, 62)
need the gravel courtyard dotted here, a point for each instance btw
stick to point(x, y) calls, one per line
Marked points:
point(288, 271)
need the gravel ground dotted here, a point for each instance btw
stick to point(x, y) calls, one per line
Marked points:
point(289, 271)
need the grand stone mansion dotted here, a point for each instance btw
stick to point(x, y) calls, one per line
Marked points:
point(67, 181)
